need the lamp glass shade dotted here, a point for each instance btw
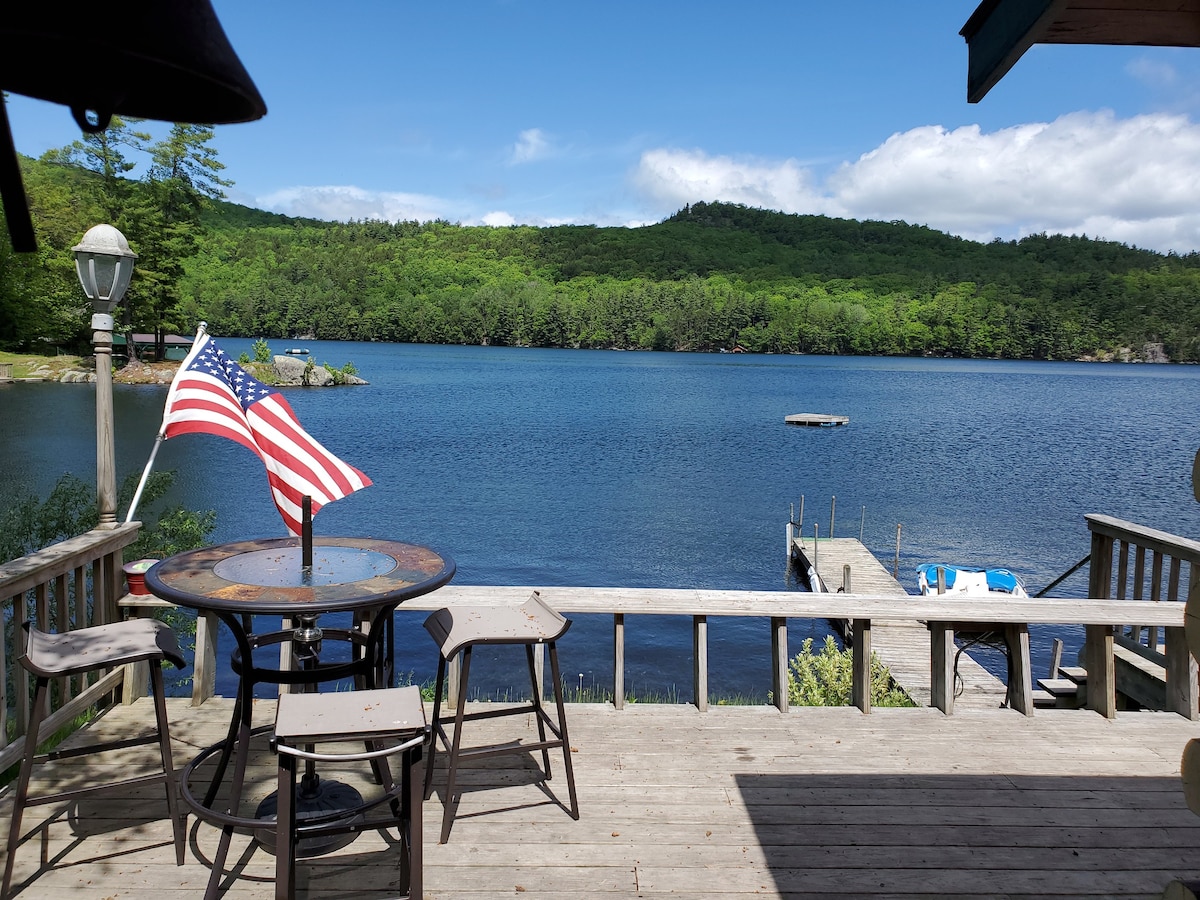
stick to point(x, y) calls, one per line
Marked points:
point(104, 264)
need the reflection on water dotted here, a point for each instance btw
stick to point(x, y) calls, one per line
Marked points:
point(547, 467)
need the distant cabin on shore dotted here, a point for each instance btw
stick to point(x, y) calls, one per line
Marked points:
point(177, 347)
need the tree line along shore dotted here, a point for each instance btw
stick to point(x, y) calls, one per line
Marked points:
point(712, 277)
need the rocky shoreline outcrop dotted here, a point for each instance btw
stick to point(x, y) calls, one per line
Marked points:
point(283, 371)
point(291, 371)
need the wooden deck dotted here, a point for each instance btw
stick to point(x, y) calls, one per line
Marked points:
point(735, 801)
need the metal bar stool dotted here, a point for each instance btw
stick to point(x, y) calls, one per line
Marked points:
point(372, 717)
point(461, 628)
point(85, 650)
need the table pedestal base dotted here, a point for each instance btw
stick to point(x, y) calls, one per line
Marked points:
point(328, 798)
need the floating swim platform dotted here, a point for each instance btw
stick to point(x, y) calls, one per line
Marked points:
point(817, 420)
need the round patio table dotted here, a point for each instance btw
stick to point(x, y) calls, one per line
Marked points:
point(239, 581)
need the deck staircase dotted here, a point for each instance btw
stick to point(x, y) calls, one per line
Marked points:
point(1065, 687)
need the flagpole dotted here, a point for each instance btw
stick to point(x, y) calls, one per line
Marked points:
point(137, 495)
point(306, 536)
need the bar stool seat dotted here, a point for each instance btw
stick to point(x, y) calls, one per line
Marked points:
point(461, 628)
point(377, 718)
point(48, 656)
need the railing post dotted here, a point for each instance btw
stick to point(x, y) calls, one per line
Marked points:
point(1101, 670)
point(62, 613)
point(81, 610)
point(861, 665)
point(1181, 675)
point(1098, 643)
point(204, 667)
point(1020, 690)
point(779, 663)
point(135, 676)
point(43, 620)
point(1122, 560)
point(286, 656)
point(1100, 568)
point(4, 657)
point(21, 699)
point(700, 661)
point(1182, 688)
point(941, 657)
point(104, 598)
point(619, 660)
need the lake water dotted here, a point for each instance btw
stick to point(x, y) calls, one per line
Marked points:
point(559, 467)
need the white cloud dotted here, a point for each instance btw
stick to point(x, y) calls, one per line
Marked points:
point(502, 219)
point(498, 220)
point(532, 145)
point(1071, 175)
point(1153, 72)
point(1134, 180)
point(345, 202)
point(677, 177)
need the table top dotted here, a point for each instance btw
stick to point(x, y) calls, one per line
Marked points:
point(266, 576)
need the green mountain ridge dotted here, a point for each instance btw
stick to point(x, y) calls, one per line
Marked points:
point(713, 276)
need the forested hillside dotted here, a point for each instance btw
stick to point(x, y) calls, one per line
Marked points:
point(711, 277)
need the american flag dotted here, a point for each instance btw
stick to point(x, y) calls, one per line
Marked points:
point(211, 394)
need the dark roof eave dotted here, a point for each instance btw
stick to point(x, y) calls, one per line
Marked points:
point(1000, 31)
point(998, 34)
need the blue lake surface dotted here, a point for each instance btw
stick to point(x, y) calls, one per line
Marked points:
point(560, 467)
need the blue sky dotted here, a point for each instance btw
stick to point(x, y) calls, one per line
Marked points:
point(618, 113)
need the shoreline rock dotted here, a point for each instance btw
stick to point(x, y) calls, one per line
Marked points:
point(290, 371)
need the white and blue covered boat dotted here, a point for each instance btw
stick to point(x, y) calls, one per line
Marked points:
point(967, 581)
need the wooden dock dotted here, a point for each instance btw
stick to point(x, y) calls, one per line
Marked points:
point(904, 647)
point(738, 801)
point(818, 420)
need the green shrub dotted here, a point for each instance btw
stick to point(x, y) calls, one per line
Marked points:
point(825, 678)
point(339, 375)
point(262, 352)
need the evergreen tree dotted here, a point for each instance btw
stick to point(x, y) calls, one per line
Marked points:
point(165, 223)
point(104, 153)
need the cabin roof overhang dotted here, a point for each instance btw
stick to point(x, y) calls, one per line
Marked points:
point(1000, 31)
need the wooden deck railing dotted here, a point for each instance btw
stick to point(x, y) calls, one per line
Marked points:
point(69, 585)
point(1137, 576)
point(1101, 617)
point(1132, 562)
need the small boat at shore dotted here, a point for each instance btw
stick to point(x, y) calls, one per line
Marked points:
point(968, 581)
point(296, 351)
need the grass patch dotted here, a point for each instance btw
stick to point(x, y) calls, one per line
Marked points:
point(26, 364)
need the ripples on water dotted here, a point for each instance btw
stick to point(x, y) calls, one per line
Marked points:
point(547, 467)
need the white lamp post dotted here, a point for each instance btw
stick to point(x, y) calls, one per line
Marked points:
point(104, 263)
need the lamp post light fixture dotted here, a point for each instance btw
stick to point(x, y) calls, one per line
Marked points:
point(104, 264)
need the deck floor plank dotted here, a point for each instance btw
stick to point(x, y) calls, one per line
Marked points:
point(816, 802)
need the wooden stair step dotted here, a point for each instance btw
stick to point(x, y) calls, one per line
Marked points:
point(1043, 699)
point(1077, 674)
point(1058, 687)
